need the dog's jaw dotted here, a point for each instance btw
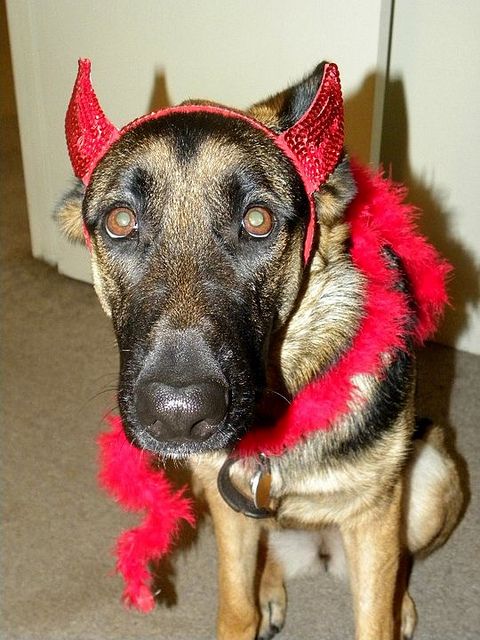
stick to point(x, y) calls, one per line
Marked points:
point(222, 439)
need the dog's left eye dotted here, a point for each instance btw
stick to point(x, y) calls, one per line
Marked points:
point(120, 222)
point(258, 222)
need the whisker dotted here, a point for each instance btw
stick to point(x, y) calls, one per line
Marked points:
point(111, 374)
point(277, 393)
point(101, 392)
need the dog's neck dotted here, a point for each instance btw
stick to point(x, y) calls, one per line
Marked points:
point(396, 282)
point(329, 306)
point(324, 320)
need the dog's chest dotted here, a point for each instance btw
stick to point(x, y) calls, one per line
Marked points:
point(323, 497)
point(333, 491)
point(326, 495)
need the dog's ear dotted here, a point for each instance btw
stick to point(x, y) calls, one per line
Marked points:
point(69, 213)
point(281, 111)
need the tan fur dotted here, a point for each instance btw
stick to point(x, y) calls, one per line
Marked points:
point(272, 595)
point(267, 111)
point(237, 543)
point(325, 306)
point(70, 220)
point(433, 494)
point(372, 543)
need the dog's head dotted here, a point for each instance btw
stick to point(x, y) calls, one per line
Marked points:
point(197, 220)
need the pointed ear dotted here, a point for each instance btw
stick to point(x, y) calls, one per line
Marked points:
point(69, 213)
point(308, 120)
point(282, 110)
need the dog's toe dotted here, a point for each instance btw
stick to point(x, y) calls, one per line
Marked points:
point(273, 617)
point(409, 617)
point(269, 633)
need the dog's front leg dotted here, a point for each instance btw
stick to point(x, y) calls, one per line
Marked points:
point(237, 543)
point(372, 544)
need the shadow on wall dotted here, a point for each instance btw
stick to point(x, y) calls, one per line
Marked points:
point(437, 220)
point(159, 98)
point(358, 119)
point(436, 366)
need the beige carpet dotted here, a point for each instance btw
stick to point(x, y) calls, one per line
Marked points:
point(58, 376)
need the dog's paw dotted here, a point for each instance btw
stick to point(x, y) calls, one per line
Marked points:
point(273, 611)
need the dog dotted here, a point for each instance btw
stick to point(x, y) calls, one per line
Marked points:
point(198, 222)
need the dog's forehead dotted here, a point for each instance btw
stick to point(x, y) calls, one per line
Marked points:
point(196, 150)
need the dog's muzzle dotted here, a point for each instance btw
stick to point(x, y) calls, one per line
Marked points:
point(181, 394)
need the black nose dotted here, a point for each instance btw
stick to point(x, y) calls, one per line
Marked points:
point(191, 412)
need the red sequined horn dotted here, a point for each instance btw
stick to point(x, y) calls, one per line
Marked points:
point(316, 140)
point(88, 131)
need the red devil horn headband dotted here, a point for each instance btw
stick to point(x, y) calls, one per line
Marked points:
point(313, 144)
point(88, 131)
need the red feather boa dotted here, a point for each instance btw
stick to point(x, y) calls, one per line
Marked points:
point(377, 217)
point(128, 475)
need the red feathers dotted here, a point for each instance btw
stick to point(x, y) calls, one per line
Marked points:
point(380, 205)
point(127, 474)
point(377, 217)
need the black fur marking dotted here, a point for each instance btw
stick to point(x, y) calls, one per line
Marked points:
point(381, 413)
point(422, 425)
point(299, 98)
point(391, 393)
point(403, 284)
point(141, 184)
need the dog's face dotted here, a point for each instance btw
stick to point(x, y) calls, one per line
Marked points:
point(197, 224)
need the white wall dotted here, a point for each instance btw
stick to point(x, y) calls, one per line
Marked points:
point(231, 51)
point(432, 138)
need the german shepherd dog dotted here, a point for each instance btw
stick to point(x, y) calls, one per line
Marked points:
point(197, 226)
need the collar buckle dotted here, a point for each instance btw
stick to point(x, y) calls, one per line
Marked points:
point(260, 483)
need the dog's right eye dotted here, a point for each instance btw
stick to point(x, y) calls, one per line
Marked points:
point(120, 222)
point(258, 222)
